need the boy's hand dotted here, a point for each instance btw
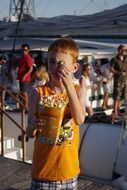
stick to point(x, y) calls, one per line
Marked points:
point(40, 123)
point(64, 74)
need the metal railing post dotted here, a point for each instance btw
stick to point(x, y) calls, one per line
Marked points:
point(23, 139)
point(2, 122)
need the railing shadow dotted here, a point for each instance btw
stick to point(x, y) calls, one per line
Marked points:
point(3, 113)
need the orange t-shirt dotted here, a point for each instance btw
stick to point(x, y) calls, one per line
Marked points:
point(60, 161)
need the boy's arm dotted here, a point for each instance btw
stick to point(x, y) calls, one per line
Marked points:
point(76, 101)
point(31, 129)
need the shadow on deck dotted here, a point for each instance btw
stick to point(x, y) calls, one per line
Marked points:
point(15, 175)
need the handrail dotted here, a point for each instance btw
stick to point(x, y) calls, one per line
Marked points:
point(13, 120)
point(13, 96)
point(21, 127)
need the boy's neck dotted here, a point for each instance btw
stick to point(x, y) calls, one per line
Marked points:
point(57, 88)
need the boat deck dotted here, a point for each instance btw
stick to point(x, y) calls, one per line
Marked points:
point(15, 175)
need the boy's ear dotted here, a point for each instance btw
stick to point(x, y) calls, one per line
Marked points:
point(76, 67)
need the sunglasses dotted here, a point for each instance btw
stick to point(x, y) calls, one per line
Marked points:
point(89, 69)
point(25, 50)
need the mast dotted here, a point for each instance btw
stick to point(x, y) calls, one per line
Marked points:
point(20, 9)
point(27, 7)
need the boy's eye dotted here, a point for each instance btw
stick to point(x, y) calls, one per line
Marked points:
point(61, 62)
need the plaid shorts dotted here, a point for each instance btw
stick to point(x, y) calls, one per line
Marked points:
point(70, 184)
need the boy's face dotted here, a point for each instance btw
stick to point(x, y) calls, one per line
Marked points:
point(54, 61)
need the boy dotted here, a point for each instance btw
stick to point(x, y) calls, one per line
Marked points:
point(57, 166)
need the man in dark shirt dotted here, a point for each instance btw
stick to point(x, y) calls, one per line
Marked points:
point(118, 68)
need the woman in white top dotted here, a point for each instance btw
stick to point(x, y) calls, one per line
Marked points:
point(86, 72)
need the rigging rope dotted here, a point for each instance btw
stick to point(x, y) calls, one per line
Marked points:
point(91, 2)
point(84, 8)
point(16, 33)
point(46, 7)
point(38, 4)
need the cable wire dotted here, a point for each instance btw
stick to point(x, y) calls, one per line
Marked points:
point(91, 2)
point(38, 4)
point(84, 8)
point(46, 7)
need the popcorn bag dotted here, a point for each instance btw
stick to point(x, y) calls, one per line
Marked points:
point(51, 115)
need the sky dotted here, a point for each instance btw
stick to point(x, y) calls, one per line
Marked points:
point(51, 8)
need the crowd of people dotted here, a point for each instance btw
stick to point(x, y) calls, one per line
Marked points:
point(109, 77)
point(20, 74)
point(112, 78)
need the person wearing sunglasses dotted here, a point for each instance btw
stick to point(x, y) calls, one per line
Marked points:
point(86, 73)
point(25, 67)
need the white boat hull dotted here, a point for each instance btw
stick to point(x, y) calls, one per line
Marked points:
point(103, 151)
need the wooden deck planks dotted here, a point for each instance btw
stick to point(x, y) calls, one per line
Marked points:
point(15, 175)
